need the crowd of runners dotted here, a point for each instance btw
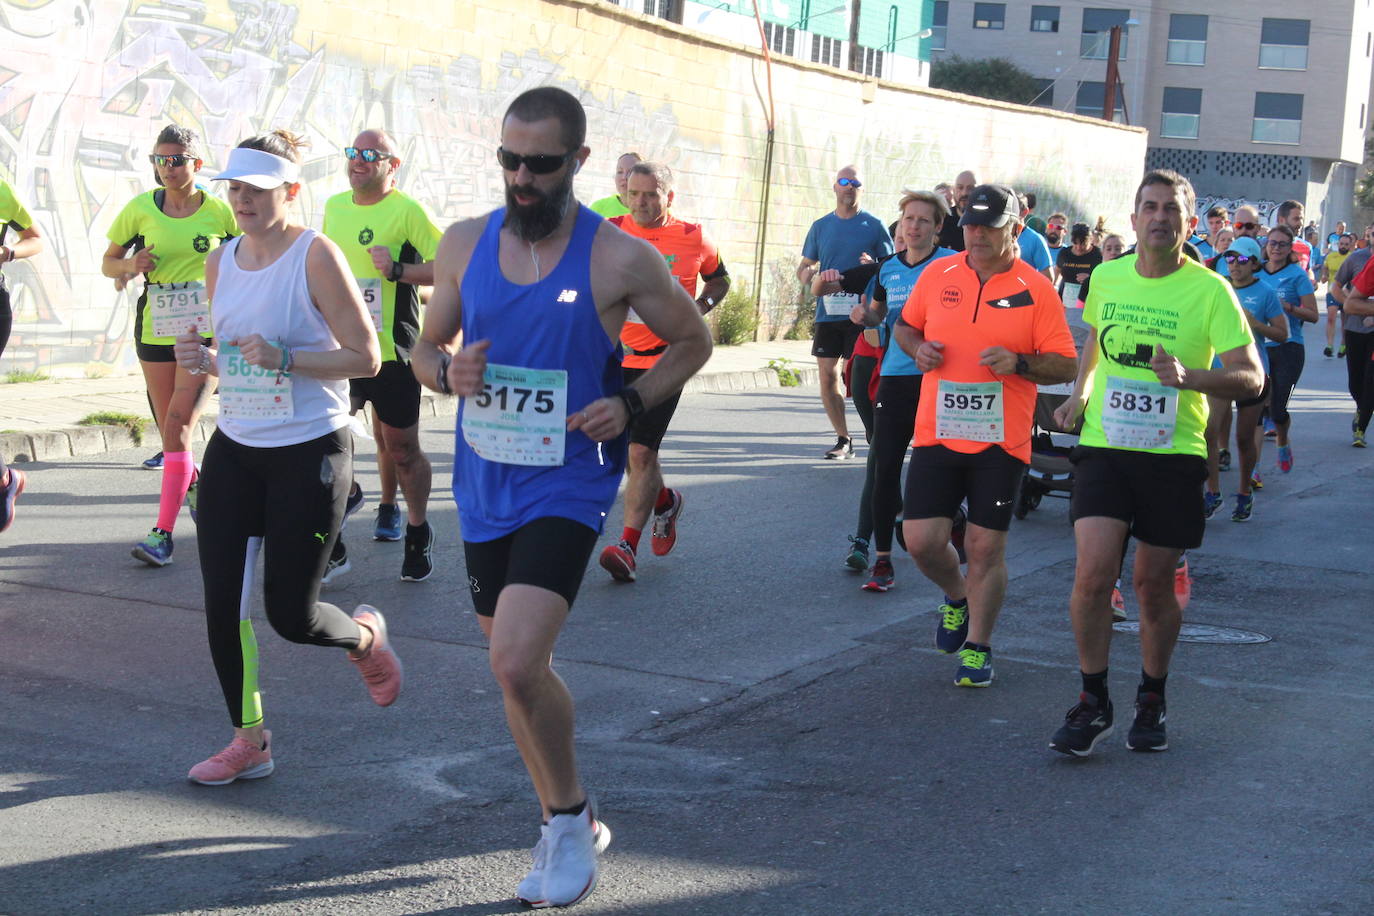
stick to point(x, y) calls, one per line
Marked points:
point(569, 331)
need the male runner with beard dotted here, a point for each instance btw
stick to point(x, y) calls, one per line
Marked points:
point(539, 291)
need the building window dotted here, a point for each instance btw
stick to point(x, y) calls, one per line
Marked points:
point(1187, 39)
point(1278, 118)
point(1044, 93)
point(826, 50)
point(870, 61)
point(664, 9)
point(989, 15)
point(1283, 44)
point(1091, 95)
point(781, 39)
point(1182, 111)
point(1044, 19)
point(939, 25)
point(1097, 32)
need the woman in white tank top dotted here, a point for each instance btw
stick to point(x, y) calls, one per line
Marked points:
point(291, 330)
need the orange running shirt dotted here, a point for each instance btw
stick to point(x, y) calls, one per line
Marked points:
point(1017, 309)
point(689, 253)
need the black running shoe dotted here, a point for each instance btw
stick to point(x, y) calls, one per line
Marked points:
point(418, 562)
point(355, 501)
point(1147, 731)
point(1084, 726)
point(338, 563)
point(842, 450)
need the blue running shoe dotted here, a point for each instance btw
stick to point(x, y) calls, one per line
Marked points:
point(952, 632)
point(1211, 502)
point(975, 668)
point(1285, 458)
point(1245, 505)
point(155, 549)
point(154, 463)
point(388, 526)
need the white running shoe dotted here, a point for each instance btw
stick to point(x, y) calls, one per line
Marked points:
point(565, 869)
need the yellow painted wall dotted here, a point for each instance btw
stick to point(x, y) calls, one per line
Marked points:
point(84, 89)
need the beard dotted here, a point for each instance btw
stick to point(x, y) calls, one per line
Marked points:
point(1055, 237)
point(537, 221)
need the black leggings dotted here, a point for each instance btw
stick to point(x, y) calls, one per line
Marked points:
point(289, 502)
point(1359, 368)
point(860, 372)
point(1285, 368)
point(894, 421)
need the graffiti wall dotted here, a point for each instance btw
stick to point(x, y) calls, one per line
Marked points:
point(85, 85)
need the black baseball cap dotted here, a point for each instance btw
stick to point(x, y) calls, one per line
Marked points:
point(992, 205)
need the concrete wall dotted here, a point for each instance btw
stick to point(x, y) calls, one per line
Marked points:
point(92, 84)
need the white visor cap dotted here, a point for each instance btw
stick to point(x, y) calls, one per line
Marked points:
point(260, 169)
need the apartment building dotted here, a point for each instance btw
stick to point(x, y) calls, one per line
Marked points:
point(1255, 102)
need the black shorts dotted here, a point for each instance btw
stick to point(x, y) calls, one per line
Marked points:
point(938, 479)
point(835, 339)
point(548, 553)
point(394, 393)
point(160, 353)
point(1257, 401)
point(652, 425)
point(1158, 496)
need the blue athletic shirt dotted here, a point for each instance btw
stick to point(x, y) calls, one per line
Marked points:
point(1260, 300)
point(1035, 251)
point(1291, 283)
point(838, 243)
point(550, 324)
point(897, 280)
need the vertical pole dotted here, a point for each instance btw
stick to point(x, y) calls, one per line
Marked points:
point(856, 63)
point(1113, 76)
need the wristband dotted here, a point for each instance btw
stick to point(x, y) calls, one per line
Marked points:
point(634, 404)
point(397, 268)
point(441, 382)
point(286, 359)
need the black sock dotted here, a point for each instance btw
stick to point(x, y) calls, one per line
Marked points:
point(574, 810)
point(1095, 686)
point(961, 603)
point(977, 647)
point(1153, 685)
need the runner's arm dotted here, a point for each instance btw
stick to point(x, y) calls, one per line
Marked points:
point(1306, 309)
point(1355, 304)
point(1240, 377)
point(190, 350)
point(434, 351)
point(1068, 413)
point(29, 244)
point(341, 304)
point(806, 270)
point(1043, 368)
point(421, 274)
point(1276, 328)
point(712, 292)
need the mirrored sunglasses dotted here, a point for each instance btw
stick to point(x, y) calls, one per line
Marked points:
point(175, 162)
point(1232, 258)
point(850, 183)
point(538, 164)
point(367, 155)
point(1247, 225)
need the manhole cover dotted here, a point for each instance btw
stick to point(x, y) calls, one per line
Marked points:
point(1204, 632)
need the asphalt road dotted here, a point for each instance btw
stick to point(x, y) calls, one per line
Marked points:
point(763, 737)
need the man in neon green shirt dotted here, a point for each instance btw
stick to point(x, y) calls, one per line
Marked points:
point(615, 204)
point(389, 241)
point(1158, 319)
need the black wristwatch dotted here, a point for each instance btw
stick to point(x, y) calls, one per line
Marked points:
point(634, 404)
point(1022, 367)
point(397, 268)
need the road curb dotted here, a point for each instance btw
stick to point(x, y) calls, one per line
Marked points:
point(86, 441)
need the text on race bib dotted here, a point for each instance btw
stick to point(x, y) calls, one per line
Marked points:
point(837, 304)
point(1138, 413)
point(1071, 291)
point(371, 288)
point(176, 307)
point(969, 410)
point(519, 416)
point(248, 392)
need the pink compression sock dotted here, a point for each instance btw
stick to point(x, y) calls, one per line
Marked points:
point(177, 471)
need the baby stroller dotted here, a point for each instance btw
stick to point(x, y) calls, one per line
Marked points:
point(1050, 473)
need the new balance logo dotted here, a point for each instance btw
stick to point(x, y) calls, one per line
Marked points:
point(568, 295)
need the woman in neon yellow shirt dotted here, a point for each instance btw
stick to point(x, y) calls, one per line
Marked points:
point(164, 235)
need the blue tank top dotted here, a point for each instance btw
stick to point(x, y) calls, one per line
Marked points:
point(549, 324)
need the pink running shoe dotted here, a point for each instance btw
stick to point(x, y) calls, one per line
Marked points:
point(8, 494)
point(240, 760)
point(380, 667)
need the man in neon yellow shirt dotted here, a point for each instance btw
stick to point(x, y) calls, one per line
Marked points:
point(1158, 319)
point(389, 241)
point(615, 204)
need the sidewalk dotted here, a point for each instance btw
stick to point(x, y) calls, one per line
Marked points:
point(38, 420)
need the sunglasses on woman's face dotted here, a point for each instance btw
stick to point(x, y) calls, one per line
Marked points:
point(537, 164)
point(367, 155)
point(1275, 243)
point(174, 162)
point(1233, 258)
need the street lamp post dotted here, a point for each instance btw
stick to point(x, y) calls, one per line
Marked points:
point(1113, 75)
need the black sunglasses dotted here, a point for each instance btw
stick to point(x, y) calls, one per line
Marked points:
point(541, 164)
point(367, 155)
point(1232, 258)
point(175, 162)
